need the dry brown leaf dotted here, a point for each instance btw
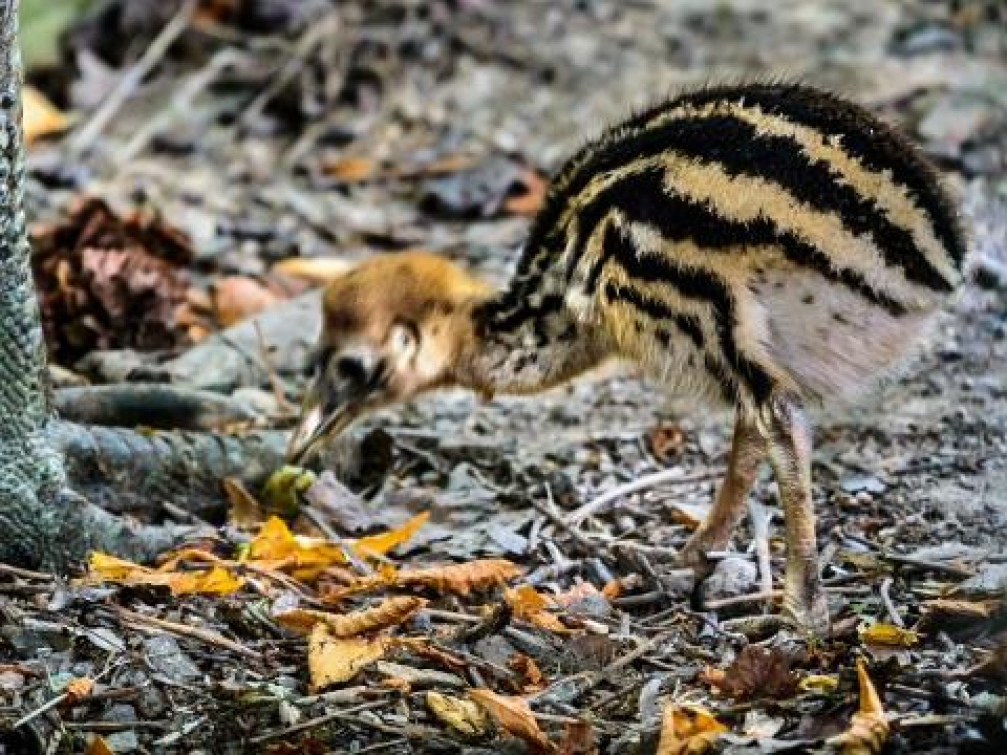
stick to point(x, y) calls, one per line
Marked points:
point(350, 169)
point(687, 730)
point(757, 673)
point(868, 730)
point(77, 689)
point(237, 297)
point(461, 579)
point(245, 511)
point(464, 717)
point(578, 739)
point(889, 634)
point(532, 678)
point(334, 660)
point(314, 269)
point(392, 612)
point(98, 746)
point(513, 715)
point(528, 604)
point(41, 117)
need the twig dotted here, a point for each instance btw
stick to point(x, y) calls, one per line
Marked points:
point(314, 723)
point(664, 477)
point(760, 517)
point(920, 563)
point(16, 571)
point(886, 598)
point(89, 133)
point(206, 635)
point(194, 86)
point(274, 379)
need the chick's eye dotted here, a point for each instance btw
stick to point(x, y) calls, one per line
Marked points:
point(404, 337)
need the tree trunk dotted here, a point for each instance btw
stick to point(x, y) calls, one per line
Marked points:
point(42, 522)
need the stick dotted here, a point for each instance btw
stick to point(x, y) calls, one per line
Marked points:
point(664, 477)
point(205, 635)
point(886, 598)
point(760, 517)
point(85, 138)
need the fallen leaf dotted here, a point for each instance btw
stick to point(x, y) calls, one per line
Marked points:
point(350, 169)
point(464, 717)
point(77, 689)
point(314, 269)
point(578, 739)
point(392, 612)
point(528, 604)
point(531, 675)
point(513, 715)
point(95, 271)
point(215, 581)
point(98, 746)
point(236, 297)
point(380, 545)
point(460, 579)
point(245, 511)
point(41, 117)
point(687, 730)
point(334, 660)
point(757, 673)
point(868, 729)
point(889, 634)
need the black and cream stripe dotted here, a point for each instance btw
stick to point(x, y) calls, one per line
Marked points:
point(669, 217)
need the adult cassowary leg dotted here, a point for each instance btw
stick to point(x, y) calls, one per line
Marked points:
point(42, 522)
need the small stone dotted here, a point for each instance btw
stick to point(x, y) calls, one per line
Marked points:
point(732, 577)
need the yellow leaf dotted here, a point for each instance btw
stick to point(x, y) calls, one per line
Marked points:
point(305, 557)
point(527, 604)
point(41, 117)
point(334, 660)
point(105, 567)
point(820, 683)
point(315, 269)
point(217, 581)
point(391, 612)
point(514, 716)
point(687, 730)
point(889, 634)
point(98, 746)
point(464, 717)
point(868, 730)
point(379, 545)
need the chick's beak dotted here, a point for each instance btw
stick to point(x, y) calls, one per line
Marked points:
point(324, 414)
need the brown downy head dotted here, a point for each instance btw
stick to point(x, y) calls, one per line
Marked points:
point(392, 327)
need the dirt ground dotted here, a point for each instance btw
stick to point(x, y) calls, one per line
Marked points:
point(395, 124)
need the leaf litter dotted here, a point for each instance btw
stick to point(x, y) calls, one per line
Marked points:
point(446, 601)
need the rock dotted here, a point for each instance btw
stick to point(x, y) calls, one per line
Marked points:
point(731, 577)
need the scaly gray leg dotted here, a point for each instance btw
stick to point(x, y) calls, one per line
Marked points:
point(748, 450)
point(788, 436)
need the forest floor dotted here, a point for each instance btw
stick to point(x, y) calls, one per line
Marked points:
point(348, 128)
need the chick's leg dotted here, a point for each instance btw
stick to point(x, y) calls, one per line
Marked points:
point(788, 436)
point(748, 450)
